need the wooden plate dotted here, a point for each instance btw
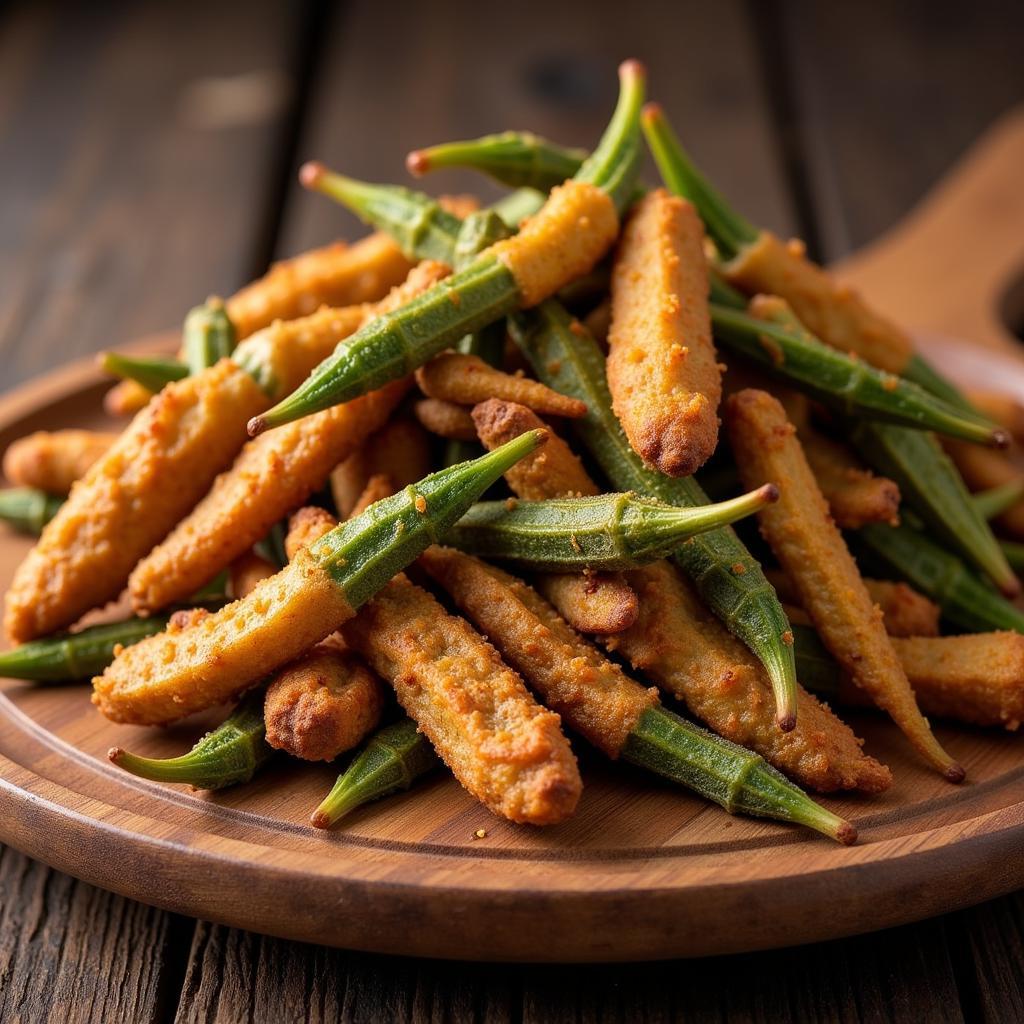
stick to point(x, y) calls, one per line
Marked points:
point(642, 871)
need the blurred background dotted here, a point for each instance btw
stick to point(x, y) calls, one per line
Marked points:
point(148, 150)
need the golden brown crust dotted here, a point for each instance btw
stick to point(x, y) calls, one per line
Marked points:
point(274, 474)
point(246, 571)
point(905, 612)
point(552, 471)
point(977, 679)
point(323, 704)
point(663, 372)
point(446, 419)
point(334, 275)
point(592, 695)
point(506, 750)
point(564, 240)
point(53, 460)
point(681, 646)
point(854, 494)
point(983, 468)
point(377, 488)
point(467, 380)
point(126, 398)
point(176, 673)
point(400, 450)
point(830, 310)
point(812, 551)
point(305, 526)
point(599, 602)
point(152, 475)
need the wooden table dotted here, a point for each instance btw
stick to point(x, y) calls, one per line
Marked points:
point(147, 159)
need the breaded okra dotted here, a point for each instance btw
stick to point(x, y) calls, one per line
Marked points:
point(812, 551)
point(662, 369)
point(597, 602)
point(52, 461)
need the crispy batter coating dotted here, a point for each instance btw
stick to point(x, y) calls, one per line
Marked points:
point(812, 551)
point(592, 695)
point(905, 612)
point(563, 241)
point(591, 602)
point(400, 450)
point(246, 571)
point(598, 602)
point(983, 468)
point(323, 704)
point(126, 398)
point(832, 311)
point(335, 275)
point(54, 460)
point(663, 372)
point(978, 679)
point(681, 646)
point(854, 494)
point(181, 671)
point(466, 380)
point(273, 474)
point(552, 471)
point(505, 749)
point(445, 419)
point(151, 476)
point(305, 526)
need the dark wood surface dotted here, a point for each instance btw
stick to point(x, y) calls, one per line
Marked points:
point(146, 159)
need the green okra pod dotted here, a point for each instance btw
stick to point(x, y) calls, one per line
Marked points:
point(732, 776)
point(922, 373)
point(930, 484)
point(516, 159)
point(229, 755)
point(852, 387)
point(79, 655)
point(152, 372)
point(996, 500)
point(1013, 551)
point(28, 510)
point(391, 761)
point(607, 532)
point(908, 554)
point(208, 336)
point(730, 581)
point(483, 291)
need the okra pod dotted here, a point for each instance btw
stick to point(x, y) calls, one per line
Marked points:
point(229, 755)
point(931, 486)
point(994, 501)
point(775, 339)
point(28, 510)
point(392, 760)
point(175, 673)
point(152, 372)
point(728, 578)
point(209, 335)
point(1013, 551)
point(516, 159)
point(607, 532)
point(965, 599)
point(566, 238)
point(78, 655)
point(732, 776)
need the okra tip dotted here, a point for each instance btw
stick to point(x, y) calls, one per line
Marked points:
point(999, 438)
point(256, 425)
point(417, 163)
point(786, 720)
point(632, 70)
point(651, 112)
point(311, 173)
point(955, 773)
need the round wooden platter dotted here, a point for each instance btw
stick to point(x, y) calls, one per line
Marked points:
point(642, 871)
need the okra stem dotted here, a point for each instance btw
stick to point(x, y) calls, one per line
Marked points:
point(734, 777)
point(565, 357)
point(208, 336)
point(603, 533)
point(27, 509)
point(229, 755)
point(152, 372)
point(392, 760)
